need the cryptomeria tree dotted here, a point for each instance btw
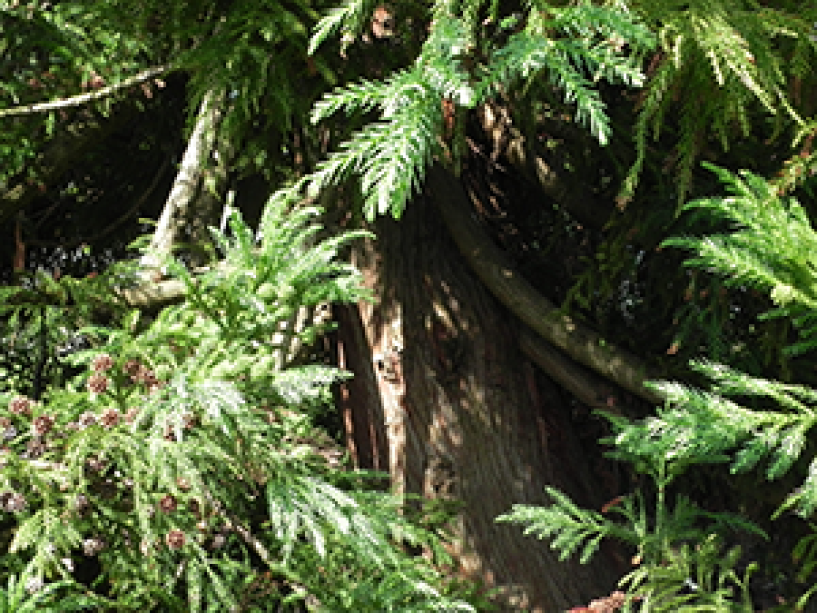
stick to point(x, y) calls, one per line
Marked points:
point(535, 155)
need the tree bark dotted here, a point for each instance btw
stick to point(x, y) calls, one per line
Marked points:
point(509, 144)
point(188, 206)
point(443, 398)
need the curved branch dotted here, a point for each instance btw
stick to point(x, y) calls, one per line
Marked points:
point(150, 295)
point(587, 387)
point(491, 265)
point(80, 99)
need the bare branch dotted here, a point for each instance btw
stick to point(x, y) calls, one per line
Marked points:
point(80, 99)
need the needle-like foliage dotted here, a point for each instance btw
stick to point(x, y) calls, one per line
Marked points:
point(572, 47)
point(732, 59)
point(769, 246)
point(749, 422)
point(675, 545)
point(186, 460)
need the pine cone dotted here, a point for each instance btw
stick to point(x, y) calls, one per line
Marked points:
point(97, 383)
point(131, 367)
point(145, 376)
point(175, 539)
point(42, 425)
point(102, 362)
point(21, 405)
point(167, 504)
point(109, 418)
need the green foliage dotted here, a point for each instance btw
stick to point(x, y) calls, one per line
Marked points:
point(569, 526)
point(256, 52)
point(805, 555)
point(52, 53)
point(769, 247)
point(694, 579)
point(575, 48)
point(27, 593)
point(350, 18)
point(391, 156)
point(225, 402)
point(727, 81)
point(740, 419)
point(580, 46)
point(678, 553)
point(700, 426)
point(186, 460)
point(733, 49)
point(41, 316)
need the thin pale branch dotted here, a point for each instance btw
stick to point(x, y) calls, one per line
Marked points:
point(81, 99)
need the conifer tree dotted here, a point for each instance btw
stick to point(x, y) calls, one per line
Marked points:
point(608, 105)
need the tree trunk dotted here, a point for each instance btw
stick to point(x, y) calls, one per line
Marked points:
point(445, 401)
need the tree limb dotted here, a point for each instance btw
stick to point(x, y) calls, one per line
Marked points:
point(153, 295)
point(583, 384)
point(80, 99)
point(494, 268)
point(178, 207)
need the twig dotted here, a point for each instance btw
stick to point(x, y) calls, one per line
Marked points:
point(80, 99)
